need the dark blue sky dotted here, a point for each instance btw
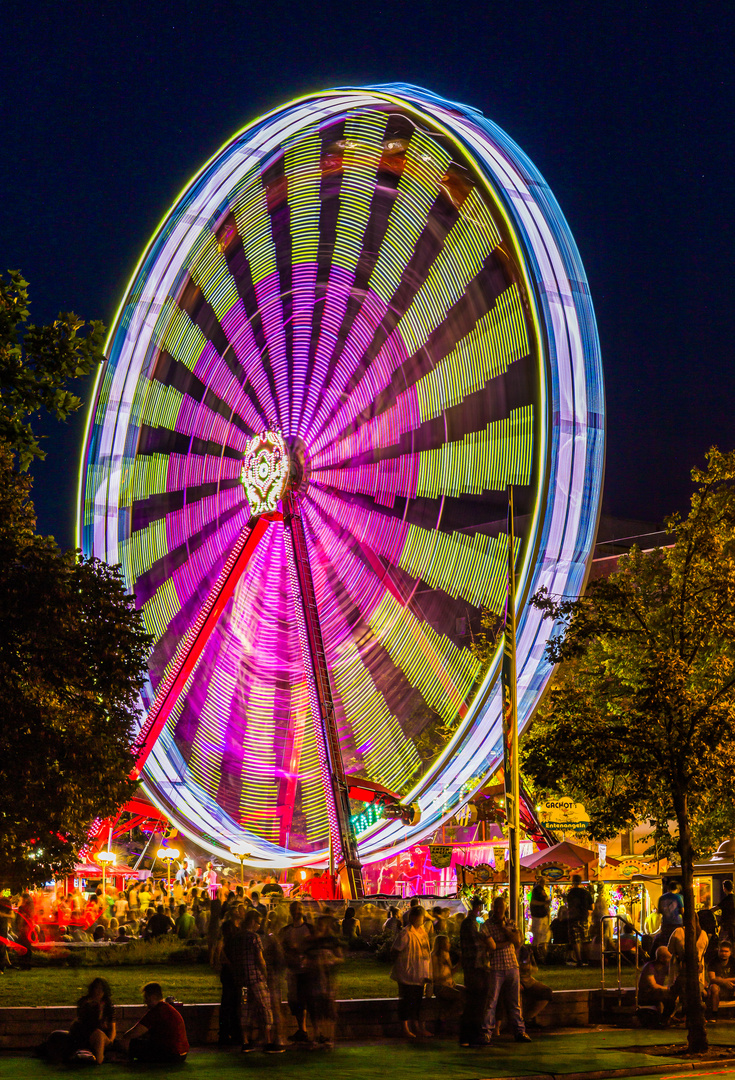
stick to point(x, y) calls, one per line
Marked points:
point(109, 108)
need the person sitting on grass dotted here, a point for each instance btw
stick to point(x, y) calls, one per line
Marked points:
point(721, 980)
point(94, 1027)
point(161, 1034)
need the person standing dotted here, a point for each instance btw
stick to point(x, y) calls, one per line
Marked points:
point(726, 908)
point(540, 911)
point(293, 939)
point(475, 947)
point(248, 968)
point(579, 906)
point(412, 971)
point(505, 972)
point(210, 880)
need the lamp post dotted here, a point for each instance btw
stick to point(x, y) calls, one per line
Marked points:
point(105, 857)
point(242, 855)
point(167, 854)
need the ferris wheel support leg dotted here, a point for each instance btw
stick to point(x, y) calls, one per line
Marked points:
point(192, 647)
point(336, 789)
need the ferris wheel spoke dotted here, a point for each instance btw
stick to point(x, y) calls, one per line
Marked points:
point(469, 242)
point(363, 138)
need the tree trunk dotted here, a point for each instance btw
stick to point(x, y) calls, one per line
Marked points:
point(696, 1029)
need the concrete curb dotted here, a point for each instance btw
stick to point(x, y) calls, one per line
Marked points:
point(609, 1074)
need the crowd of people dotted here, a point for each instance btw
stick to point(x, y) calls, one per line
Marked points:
point(262, 945)
point(662, 985)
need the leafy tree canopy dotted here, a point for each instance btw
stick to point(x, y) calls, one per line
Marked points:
point(36, 367)
point(640, 721)
point(72, 657)
point(73, 649)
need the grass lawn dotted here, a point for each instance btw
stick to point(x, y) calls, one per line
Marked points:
point(361, 976)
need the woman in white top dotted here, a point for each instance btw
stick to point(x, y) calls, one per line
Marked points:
point(412, 971)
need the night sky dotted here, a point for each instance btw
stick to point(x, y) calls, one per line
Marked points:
point(627, 110)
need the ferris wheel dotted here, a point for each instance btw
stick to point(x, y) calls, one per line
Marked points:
point(359, 325)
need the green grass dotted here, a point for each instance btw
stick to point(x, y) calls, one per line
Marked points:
point(361, 976)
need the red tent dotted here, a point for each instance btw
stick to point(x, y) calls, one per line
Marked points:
point(565, 853)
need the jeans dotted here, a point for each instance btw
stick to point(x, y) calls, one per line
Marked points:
point(507, 984)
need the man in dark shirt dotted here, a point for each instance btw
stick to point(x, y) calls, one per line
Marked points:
point(161, 1034)
point(721, 979)
point(579, 905)
point(671, 910)
point(159, 924)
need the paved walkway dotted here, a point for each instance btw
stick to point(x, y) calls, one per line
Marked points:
point(568, 1055)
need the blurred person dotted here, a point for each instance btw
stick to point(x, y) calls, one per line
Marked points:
point(392, 924)
point(230, 1026)
point(726, 911)
point(505, 971)
point(675, 945)
point(475, 949)
point(535, 995)
point(671, 909)
point(447, 993)
point(322, 955)
point(540, 908)
point(579, 906)
point(121, 907)
point(161, 1035)
point(412, 971)
point(249, 970)
point(185, 924)
point(294, 937)
point(209, 879)
point(351, 929)
point(275, 964)
point(258, 904)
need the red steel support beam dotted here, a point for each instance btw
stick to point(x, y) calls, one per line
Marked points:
point(192, 646)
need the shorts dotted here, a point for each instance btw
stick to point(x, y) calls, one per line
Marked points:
point(540, 930)
point(258, 1005)
point(577, 931)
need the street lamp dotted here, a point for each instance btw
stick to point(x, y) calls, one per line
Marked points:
point(242, 855)
point(105, 857)
point(167, 854)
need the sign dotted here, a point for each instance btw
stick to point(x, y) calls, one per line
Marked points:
point(602, 854)
point(441, 855)
point(499, 856)
point(363, 821)
point(564, 814)
point(630, 866)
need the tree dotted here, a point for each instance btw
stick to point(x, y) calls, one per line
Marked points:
point(35, 371)
point(72, 656)
point(72, 647)
point(640, 721)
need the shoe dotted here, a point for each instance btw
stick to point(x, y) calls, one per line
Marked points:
point(298, 1036)
point(571, 963)
point(521, 1036)
point(274, 1048)
point(464, 1045)
point(248, 1047)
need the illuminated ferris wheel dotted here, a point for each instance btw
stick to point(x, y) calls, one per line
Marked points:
point(361, 323)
